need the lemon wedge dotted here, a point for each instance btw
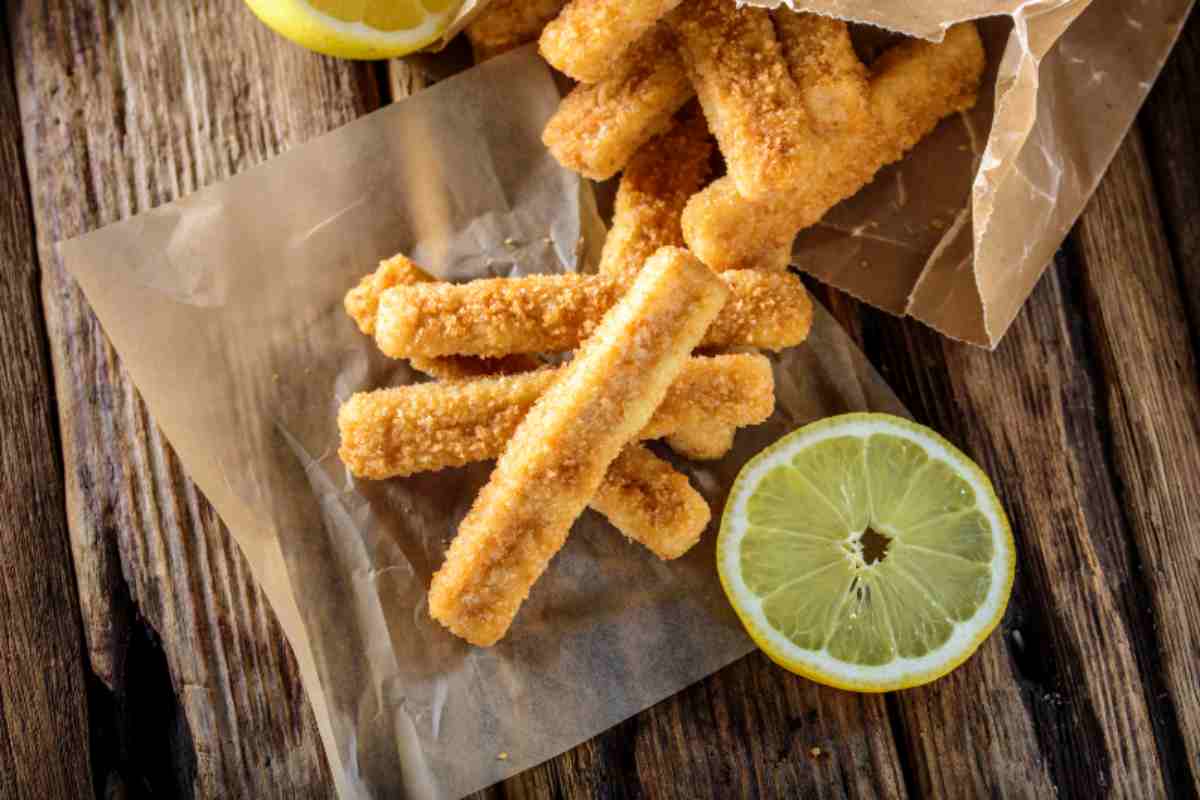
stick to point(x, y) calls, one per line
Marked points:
point(361, 29)
point(866, 552)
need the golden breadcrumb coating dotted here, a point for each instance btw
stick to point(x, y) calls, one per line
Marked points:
point(652, 503)
point(655, 187)
point(424, 427)
point(362, 304)
point(553, 313)
point(598, 127)
point(753, 105)
point(831, 80)
point(507, 24)
point(914, 85)
point(557, 458)
point(703, 443)
point(588, 36)
point(642, 496)
point(463, 368)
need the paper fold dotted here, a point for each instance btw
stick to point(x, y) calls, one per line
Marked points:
point(958, 233)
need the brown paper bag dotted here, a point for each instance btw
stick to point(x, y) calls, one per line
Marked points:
point(958, 233)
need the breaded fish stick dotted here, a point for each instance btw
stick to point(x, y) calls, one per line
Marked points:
point(656, 185)
point(703, 444)
point(404, 430)
point(652, 503)
point(753, 105)
point(553, 313)
point(598, 127)
point(507, 24)
point(362, 304)
point(915, 85)
point(589, 35)
point(644, 497)
point(831, 79)
point(559, 454)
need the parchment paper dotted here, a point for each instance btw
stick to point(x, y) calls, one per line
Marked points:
point(226, 309)
point(958, 234)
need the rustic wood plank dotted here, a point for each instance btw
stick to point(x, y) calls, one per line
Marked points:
point(1045, 421)
point(1137, 324)
point(750, 730)
point(126, 105)
point(1170, 123)
point(43, 703)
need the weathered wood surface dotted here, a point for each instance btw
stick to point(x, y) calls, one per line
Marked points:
point(43, 704)
point(124, 106)
point(1088, 417)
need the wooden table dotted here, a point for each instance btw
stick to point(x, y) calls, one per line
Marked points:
point(139, 658)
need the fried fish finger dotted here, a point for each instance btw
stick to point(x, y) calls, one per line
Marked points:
point(589, 35)
point(703, 443)
point(914, 86)
point(554, 313)
point(507, 24)
point(832, 81)
point(362, 304)
point(656, 185)
point(753, 105)
point(557, 458)
point(598, 127)
point(425, 427)
point(652, 503)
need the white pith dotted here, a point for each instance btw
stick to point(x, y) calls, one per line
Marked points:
point(900, 671)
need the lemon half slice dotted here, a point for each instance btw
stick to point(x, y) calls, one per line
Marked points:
point(866, 552)
point(362, 29)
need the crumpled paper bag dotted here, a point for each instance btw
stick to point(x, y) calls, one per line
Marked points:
point(958, 233)
point(225, 307)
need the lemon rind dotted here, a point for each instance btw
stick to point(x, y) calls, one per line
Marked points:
point(901, 673)
point(312, 29)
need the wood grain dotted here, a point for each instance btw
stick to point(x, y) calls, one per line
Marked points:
point(126, 105)
point(43, 705)
point(1171, 126)
point(1073, 446)
point(750, 730)
point(1151, 395)
point(1087, 417)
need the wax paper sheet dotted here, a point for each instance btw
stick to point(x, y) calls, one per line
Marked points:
point(958, 233)
point(226, 310)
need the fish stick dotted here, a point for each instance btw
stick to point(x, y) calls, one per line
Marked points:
point(703, 444)
point(588, 36)
point(831, 79)
point(914, 85)
point(507, 24)
point(425, 427)
point(554, 313)
point(557, 458)
point(752, 103)
point(644, 497)
point(652, 503)
point(656, 185)
point(362, 304)
point(702, 441)
point(598, 127)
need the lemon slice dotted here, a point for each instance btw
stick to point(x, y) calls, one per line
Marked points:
point(361, 29)
point(866, 552)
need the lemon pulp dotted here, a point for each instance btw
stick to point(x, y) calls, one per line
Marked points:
point(866, 552)
point(360, 29)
